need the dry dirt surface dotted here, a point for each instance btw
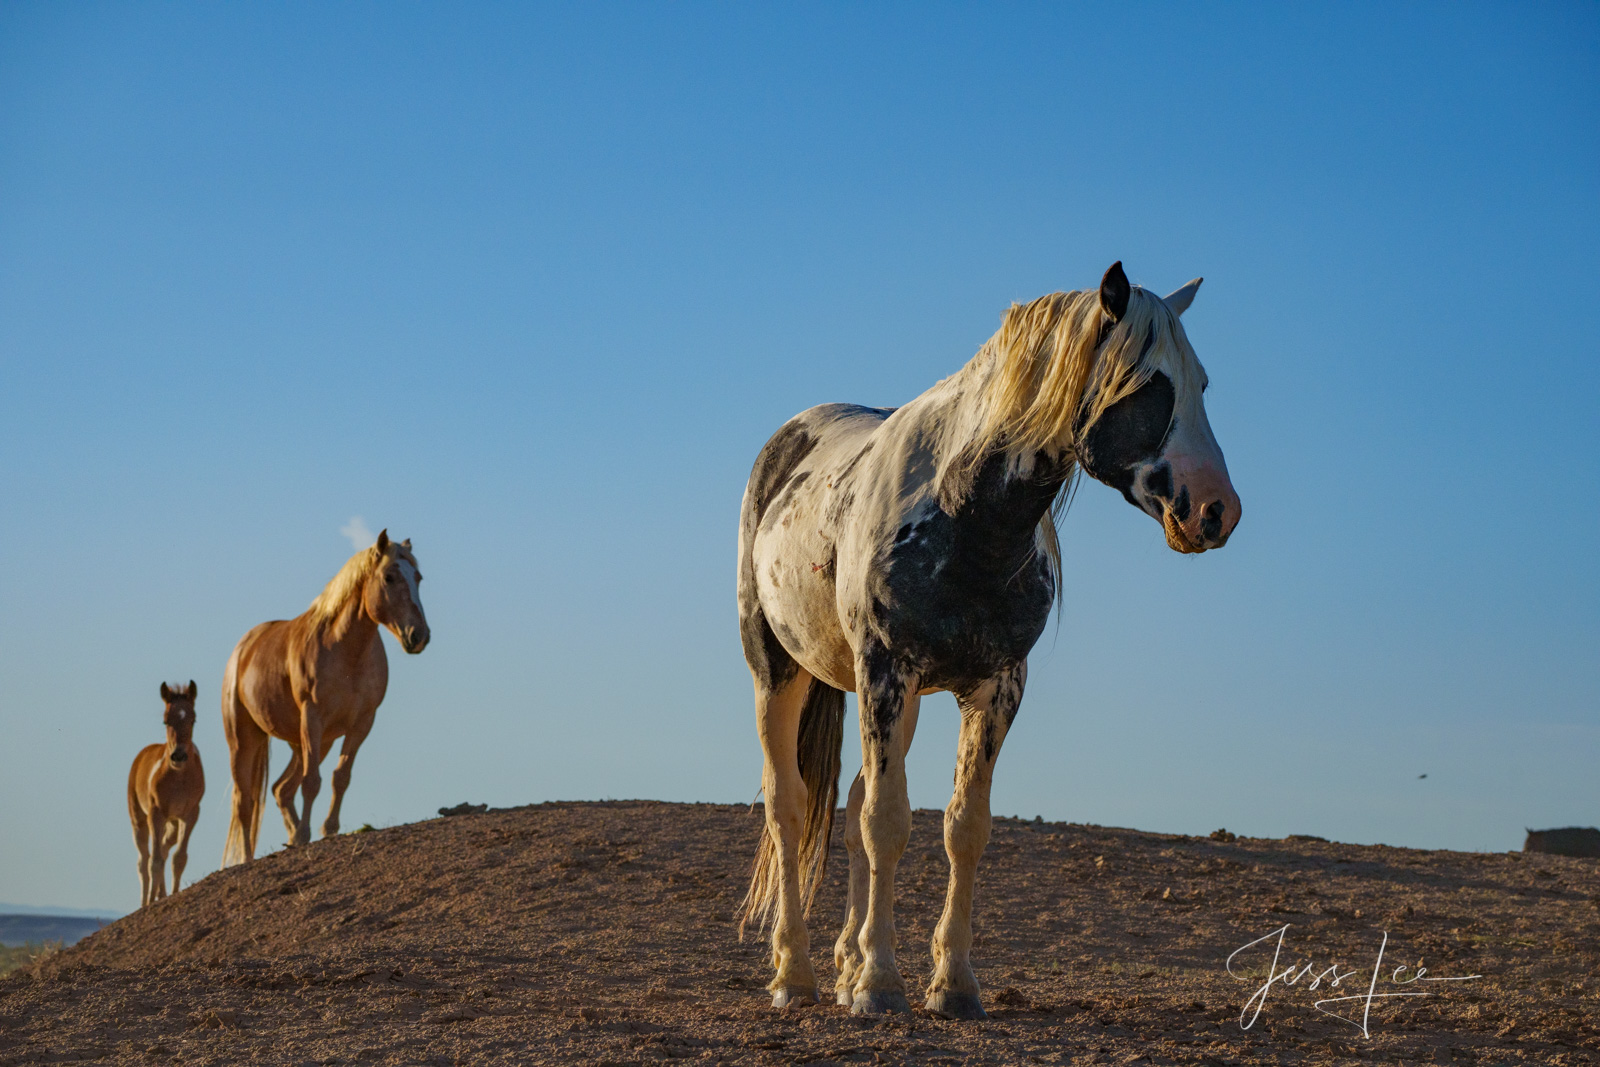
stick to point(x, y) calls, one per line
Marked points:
point(603, 933)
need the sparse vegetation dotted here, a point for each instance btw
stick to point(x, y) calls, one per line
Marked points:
point(22, 955)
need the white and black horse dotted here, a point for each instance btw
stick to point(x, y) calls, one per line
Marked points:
point(899, 552)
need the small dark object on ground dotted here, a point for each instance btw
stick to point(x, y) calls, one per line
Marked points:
point(1567, 841)
point(465, 809)
point(1223, 835)
point(1304, 837)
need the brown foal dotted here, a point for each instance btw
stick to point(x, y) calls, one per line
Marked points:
point(164, 791)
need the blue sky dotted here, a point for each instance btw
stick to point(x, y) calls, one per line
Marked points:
point(532, 285)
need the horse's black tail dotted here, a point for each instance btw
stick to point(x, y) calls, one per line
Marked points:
point(821, 739)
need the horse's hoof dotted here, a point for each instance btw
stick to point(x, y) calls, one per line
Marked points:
point(794, 994)
point(844, 998)
point(953, 1005)
point(879, 1002)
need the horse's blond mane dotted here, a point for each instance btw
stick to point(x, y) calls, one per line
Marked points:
point(1045, 377)
point(345, 585)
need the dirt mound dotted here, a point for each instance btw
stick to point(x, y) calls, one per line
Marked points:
point(596, 933)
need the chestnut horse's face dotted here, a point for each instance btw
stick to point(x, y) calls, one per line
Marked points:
point(179, 719)
point(392, 597)
point(1156, 447)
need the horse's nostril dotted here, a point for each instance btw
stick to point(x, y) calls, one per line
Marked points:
point(1211, 523)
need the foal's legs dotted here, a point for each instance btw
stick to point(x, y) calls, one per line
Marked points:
point(778, 723)
point(159, 842)
point(888, 717)
point(341, 773)
point(180, 855)
point(141, 840)
point(986, 715)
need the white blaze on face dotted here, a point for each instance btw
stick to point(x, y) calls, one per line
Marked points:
point(409, 573)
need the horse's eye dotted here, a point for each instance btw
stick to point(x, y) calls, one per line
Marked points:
point(389, 577)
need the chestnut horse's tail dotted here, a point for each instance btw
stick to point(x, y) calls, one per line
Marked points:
point(821, 739)
point(247, 757)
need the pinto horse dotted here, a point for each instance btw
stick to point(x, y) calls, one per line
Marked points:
point(900, 552)
point(165, 785)
point(311, 680)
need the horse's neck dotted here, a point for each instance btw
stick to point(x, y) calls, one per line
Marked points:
point(1007, 497)
point(998, 493)
point(350, 626)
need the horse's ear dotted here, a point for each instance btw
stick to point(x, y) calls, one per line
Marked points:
point(406, 544)
point(383, 541)
point(166, 694)
point(1114, 292)
point(193, 690)
point(1181, 297)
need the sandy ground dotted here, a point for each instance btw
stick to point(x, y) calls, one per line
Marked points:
point(603, 933)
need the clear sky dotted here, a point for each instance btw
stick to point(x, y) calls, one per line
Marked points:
point(531, 286)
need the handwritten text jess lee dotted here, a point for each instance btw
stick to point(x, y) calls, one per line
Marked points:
point(1290, 976)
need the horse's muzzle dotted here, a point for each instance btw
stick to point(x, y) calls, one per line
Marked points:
point(415, 638)
point(179, 755)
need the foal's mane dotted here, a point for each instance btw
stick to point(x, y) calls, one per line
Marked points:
point(346, 585)
point(1046, 377)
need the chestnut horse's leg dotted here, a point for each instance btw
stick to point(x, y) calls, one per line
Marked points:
point(778, 723)
point(888, 705)
point(341, 773)
point(310, 770)
point(247, 763)
point(283, 791)
point(141, 839)
point(986, 715)
point(847, 950)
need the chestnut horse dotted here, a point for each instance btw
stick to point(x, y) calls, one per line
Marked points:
point(903, 552)
point(311, 680)
point(164, 791)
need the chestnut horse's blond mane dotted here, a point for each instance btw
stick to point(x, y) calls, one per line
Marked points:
point(345, 585)
point(1045, 376)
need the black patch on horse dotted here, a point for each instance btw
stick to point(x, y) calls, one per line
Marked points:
point(1132, 431)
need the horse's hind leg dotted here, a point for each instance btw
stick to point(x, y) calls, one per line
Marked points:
point(778, 722)
point(284, 789)
point(847, 950)
point(986, 715)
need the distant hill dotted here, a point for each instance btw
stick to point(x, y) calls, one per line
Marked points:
point(38, 929)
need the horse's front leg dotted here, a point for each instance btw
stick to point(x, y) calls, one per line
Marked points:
point(986, 715)
point(341, 773)
point(888, 705)
point(847, 950)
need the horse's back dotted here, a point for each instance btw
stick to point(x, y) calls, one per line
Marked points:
point(826, 428)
